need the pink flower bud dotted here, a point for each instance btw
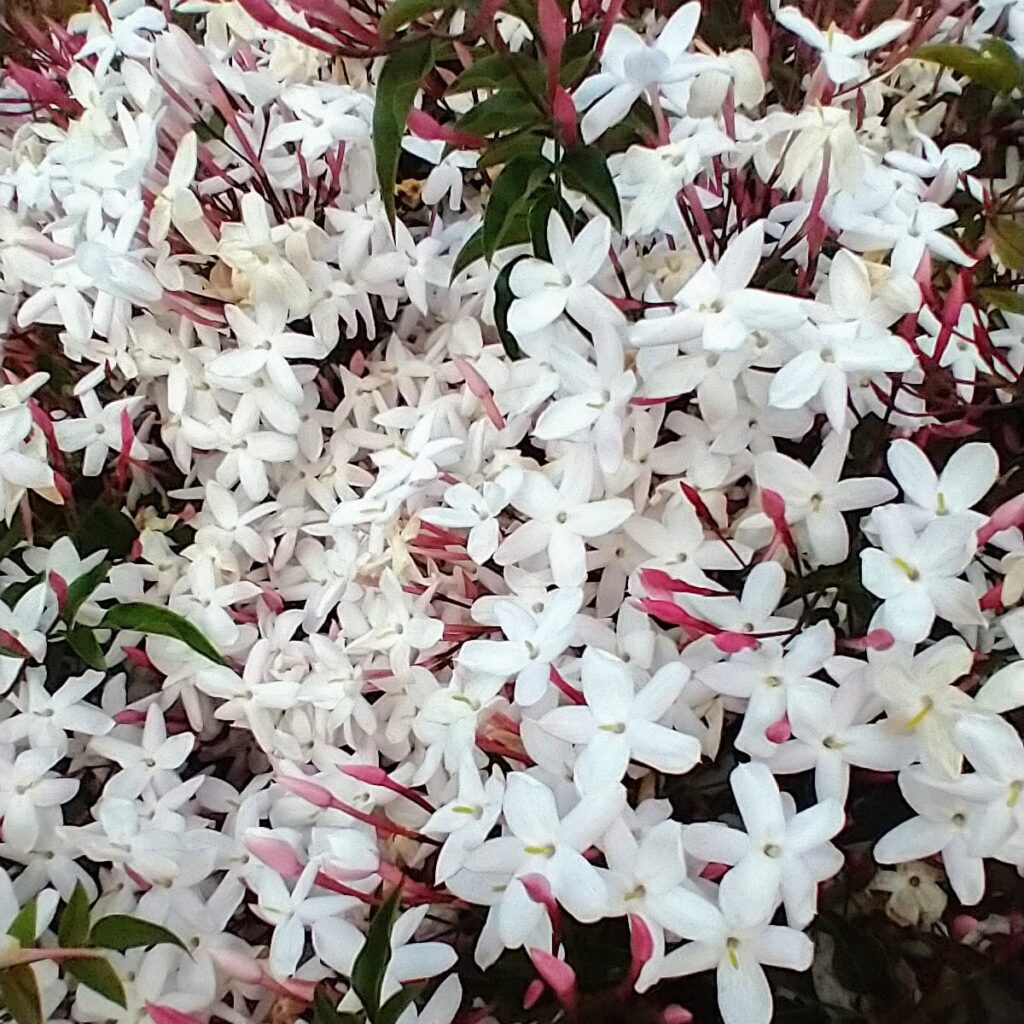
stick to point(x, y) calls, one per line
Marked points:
point(641, 941)
point(778, 732)
point(316, 794)
point(275, 853)
point(713, 872)
point(563, 110)
point(558, 976)
point(676, 1014)
point(533, 993)
point(236, 965)
point(730, 643)
point(368, 773)
point(168, 1015)
point(962, 926)
point(59, 586)
point(1008, 515)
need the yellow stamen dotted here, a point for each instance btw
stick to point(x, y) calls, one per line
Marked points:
point(919, 717)
point(731, 946)
point(911, 573)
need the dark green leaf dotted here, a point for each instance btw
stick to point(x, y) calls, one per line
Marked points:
point(20, 992)
point(73, 930)
point(1007, 242)
point(399, 82)
point(472, 251)
point(103, 528)
point(151, 618)
point(23, 927)
point(1003, 298)
point(81, 589)
point(396, 1005)
point(521, 177)
point(994, 65)
point(540, 212)
point(372, 963)
point(324, 1011)
point(399, 13)
point(498, 71)
point(11, 539)
point(84, 643)
point(506, 111)
point(502, 300)
point(505, 149)
point(585, 169)
point(97, 974)
point(121, 932)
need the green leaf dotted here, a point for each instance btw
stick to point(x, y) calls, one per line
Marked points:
point(540, 212)
point(23, 927)
point(151, 618)
point(498, 71)
point(1005, 299)
point(994, 65)
point(396, 1005)
point(585, 169)
point(84, 643)
point(103, 528)
point(502, 151)
point(372, 963)
point(81, 589)
point(20, 991)
point(122, 931)
point(397, 86)
point(12, 537)
point(506, 111)
point(399, 13)
point(97, 974)
point(1007, 242)
point(502, 300)
point(324, 1011)
point(472, 251)
point(511, 194)
point(73, 930)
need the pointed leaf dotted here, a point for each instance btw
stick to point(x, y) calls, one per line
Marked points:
point(121, 932)
point(73, 930)
point(1007, 242)
point(23, 927)
point(994, 65)
point(20, 991)
point(152, 618)
point(502, 300)
point(399, 13)
point(80, 590)
point(84, 643)
point(97, 974)
point(506, 111)
point(397, 1004)
point(373, 959)
point(585, 169)
point(397, 86)
point(521, 177)
point(324, 1011)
